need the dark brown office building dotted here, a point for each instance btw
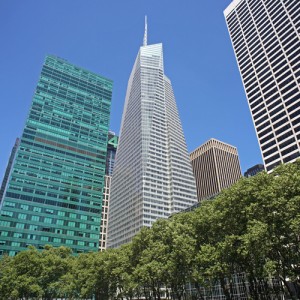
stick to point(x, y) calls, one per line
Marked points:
point(216, 167)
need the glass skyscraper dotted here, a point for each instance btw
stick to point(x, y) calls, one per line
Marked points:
point(265, 35)
point(152, 177)
point(54, 193)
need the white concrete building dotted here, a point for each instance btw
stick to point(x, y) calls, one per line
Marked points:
point(265, 35)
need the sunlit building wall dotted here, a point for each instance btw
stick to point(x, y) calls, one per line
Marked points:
point(265, 35)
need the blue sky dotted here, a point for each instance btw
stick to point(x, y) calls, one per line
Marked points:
point(104, 37)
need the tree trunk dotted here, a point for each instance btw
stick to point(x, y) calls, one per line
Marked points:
point(288, 288)
point(225, 288)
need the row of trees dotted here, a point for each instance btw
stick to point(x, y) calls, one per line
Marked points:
point(252, 229)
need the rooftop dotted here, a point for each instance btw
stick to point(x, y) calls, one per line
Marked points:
point(231, 7)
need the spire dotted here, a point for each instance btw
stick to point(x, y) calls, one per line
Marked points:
point(146, 32)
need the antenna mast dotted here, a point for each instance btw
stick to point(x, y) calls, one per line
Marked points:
point(146, 32)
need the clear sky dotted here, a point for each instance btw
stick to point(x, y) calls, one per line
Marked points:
point(104, 37)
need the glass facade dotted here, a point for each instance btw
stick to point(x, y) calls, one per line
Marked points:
point(152, 177)
point(54, 193)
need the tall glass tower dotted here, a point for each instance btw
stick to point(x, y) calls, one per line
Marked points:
point(54, 193)
point(265, 35)
point(152, 177)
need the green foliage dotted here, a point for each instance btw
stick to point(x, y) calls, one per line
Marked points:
point(251, 228)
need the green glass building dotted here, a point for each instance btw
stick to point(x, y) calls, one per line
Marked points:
point(54, 193)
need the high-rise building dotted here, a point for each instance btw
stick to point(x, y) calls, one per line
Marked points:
point(54, 193)
point(8, 169)
point(265, 35)
point(254, 170)
point(152, 175)
point(112, 145)
point(216, 167)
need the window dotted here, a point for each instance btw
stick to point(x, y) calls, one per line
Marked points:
point(25, 207)
point(71, 224)
point(17, 235)
point(20, 225)
point(6, 213)
point(59, 222)
point(33, 227)
point(35, 218)
point(48, 220)
point(22, 216)
point(37, 209)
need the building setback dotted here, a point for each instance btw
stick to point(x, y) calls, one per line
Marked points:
point(216, 167)
point(54, 194)
point(112, 145)
point(265, 35)
point(8, 168)
point(152, 176)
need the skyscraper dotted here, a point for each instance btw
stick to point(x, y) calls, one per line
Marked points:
point(8, 168)
point(216, 167)
point(265, 35)
point(152, 175)
point(112, 145)
point(54, 193)
point(254, 170)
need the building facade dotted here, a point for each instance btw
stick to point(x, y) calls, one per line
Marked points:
point(265, 35)
point(112, 146)
point(8, 169)
point(216, 167)
point(254, 170)
point(54, 193)
point(152, 175)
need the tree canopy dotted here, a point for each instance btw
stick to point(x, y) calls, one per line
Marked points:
point(250, 233)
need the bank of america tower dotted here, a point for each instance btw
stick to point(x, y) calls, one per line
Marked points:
point(152, 177)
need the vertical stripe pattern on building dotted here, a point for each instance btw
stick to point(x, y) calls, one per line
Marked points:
point(216, 167)
point(152, 177)
point(265, 35)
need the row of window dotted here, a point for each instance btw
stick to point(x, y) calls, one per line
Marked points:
point(46, 239)
point(60, 204)
point(45, 227)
